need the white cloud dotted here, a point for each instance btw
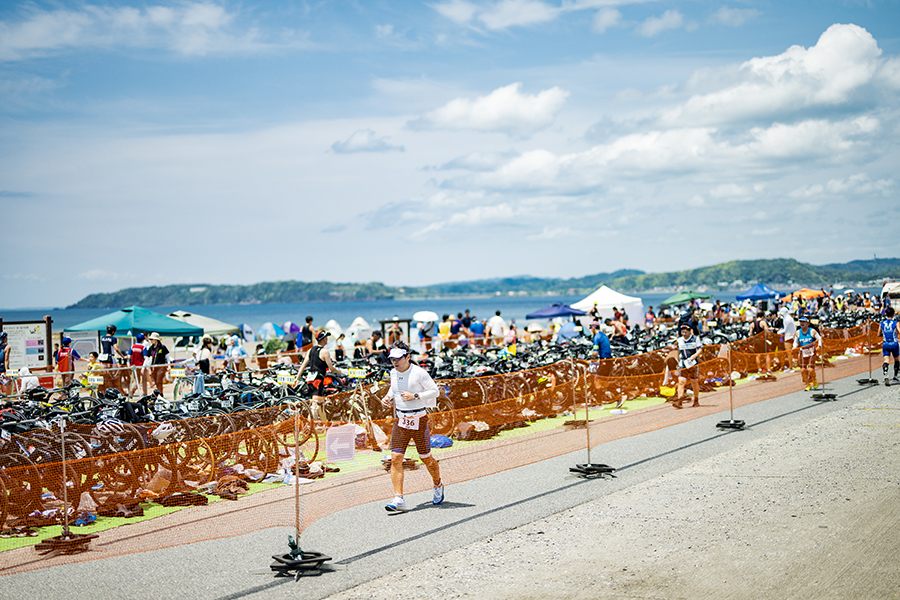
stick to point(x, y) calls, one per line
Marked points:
point(844, 59)
point(473, 217)
point(196, 28)
point(605, 19)
point(858, 184)
point(458, 11)
point(505, 109)
point(696, 201)
point(97, 275)
point(553, 233)
point(671, 19)
point(384, 31)
point(728, 190)
point(680, 152)
point(733, 17)
point(365, 140)
point(769, 231)
point(806, 208)
point(510, 13)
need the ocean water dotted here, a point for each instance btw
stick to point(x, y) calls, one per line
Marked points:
point(511, 307)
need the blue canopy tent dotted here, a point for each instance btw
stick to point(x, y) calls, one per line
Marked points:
point(268, 331)
point(760, 291)
point(557, 309)
point(133, 320)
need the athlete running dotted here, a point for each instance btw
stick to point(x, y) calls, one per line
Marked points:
point(809, 341)
point(890, 348)
point(412, 390)
point(689, 347)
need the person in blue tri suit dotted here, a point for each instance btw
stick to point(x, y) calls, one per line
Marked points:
point(809, 342)
point(890, 348)
point(601, 348)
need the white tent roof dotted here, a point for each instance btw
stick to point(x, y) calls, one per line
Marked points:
point(210, 326)
point(606, 298)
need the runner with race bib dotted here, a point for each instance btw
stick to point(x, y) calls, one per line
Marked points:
point(809, 341)
point(890, 348)
point(412, 391)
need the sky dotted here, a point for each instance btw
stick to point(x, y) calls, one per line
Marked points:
point(412, 143)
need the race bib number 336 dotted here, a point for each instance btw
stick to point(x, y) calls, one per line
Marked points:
point(410, 422)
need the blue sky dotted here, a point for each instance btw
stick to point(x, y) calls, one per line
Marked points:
point(415, 143)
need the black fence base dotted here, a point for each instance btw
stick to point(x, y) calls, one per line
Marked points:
point(867, 381)
point(592, 469)
point(285, 564)
point(66, 543)
point(819, 396)
point(730, 424)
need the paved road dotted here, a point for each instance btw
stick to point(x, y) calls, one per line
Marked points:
point(801, 504)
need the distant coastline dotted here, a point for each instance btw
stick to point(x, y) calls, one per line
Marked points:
point(723, 277)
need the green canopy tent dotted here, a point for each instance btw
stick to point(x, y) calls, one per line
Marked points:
point(684, 298)
point(134, 320)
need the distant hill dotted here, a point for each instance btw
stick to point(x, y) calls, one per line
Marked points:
point(730, 275)
point(258, 293)
point(533, 285)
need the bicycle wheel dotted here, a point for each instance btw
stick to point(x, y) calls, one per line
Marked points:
point(22, 480)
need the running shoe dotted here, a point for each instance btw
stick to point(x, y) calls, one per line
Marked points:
point(397, 505)
point(815, 384)
point(808, 387)
point(438, 494)
point(895, 379)
point(887, 382)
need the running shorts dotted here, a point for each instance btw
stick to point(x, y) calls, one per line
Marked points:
point(422, 436)
point(890, 349)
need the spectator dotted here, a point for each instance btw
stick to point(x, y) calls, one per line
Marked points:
point(496, 329)
point(137, 354)
point(4, 363)
point(65, 360)
point(307, 335)
point(262, 361)
point(375, 345)
point(27, 381)
point(205, 355)
point(109, 349)
point(477, 329)
point(158, 356)
point(426, 334)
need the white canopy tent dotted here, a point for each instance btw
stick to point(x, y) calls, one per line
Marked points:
point(607, 298)
point(210, 326)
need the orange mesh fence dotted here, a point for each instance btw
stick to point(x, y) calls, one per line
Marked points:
point(224, 475)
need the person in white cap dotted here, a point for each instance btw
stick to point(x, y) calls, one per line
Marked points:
point(412, 390)
point(158, 357)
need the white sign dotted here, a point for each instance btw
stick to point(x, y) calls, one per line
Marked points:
point(286, 379)
point(177, 372)
point(27, 345)
point(340, 443)
point(95, 380)
point(356, 373)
